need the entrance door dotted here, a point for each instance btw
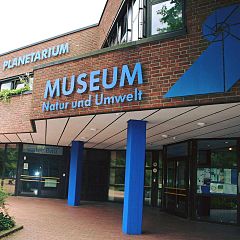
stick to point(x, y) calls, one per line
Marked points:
point(176, 189)
point(42, 176)
point(96, 175)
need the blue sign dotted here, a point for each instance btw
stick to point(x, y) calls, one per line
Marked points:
point(37, 56)
point(94, 82)
point(218, 68)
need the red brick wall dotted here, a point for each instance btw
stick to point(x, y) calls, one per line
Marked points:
point(15, 115)
point(79, 43)
point(163, 62)
point(107, 19)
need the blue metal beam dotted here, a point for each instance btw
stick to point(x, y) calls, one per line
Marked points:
point(134, 177)
point(75, 175)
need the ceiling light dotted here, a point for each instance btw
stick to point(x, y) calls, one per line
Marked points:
point(201, 124)
point(93, 129)
point(118, 114)
point(174, 138)
point(226, 142)
point(165, 136)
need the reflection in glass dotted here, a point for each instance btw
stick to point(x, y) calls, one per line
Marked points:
point(117, 176)
point(167, 16)
point(147, 195)
point(118, 159)
point(217, 180)
point(8, 167)
point(170, 174)
point(177, 150)
point(148, 178)
point(181, 183)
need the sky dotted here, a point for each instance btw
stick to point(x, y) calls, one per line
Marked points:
point(23, 22)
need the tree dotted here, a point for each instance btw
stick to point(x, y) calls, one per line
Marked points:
point(171, 16)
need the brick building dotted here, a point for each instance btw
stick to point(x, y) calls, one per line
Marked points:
point(144, 103)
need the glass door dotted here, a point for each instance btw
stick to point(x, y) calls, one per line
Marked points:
point(176, 189)
point(30, 179)
point(42, 176)
point(50, 185)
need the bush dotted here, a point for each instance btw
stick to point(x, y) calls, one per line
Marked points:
point(6, 222)
point(3, 197)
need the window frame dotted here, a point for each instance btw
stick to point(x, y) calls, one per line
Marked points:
point(168, 34)
point(15, 80)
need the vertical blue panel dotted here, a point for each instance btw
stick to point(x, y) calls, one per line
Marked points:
point(134, 177)
point(75, 175)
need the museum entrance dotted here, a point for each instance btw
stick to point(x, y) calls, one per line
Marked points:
point(176, 189)
point(42, 172)
point(217, 192)
point(202, 180)
point(176, 184)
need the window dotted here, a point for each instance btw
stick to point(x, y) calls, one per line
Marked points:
point(6, 86)
point(139, 19)
point(166, 16)
point(130, 24)
point(17, 82)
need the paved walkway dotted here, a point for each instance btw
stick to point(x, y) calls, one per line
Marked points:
point(51, 219)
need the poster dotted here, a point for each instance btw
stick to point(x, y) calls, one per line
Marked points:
point(216, 188)
point(216, 181)
point(227, 176)
point(203, 179)
point(230, 189)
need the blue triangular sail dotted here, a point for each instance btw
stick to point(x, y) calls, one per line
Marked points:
point(204, 76)
point(217, 69)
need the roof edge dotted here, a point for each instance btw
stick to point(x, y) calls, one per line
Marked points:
point(50, 39)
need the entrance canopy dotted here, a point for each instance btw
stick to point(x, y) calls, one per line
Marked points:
point(109, 131)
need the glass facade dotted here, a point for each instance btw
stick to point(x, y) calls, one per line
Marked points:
point(176, 187)
point(9, 154)
point(117, 177)
point(139, 19)
point(42, 171)
point(196, 178)
point(217, 180)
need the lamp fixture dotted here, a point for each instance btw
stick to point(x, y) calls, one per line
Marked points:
point(164, 136)
point(201, 124)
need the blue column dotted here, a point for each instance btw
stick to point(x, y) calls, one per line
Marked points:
point(134, 177)
point(75, 175)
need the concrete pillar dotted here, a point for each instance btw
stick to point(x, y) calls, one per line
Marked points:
point(134, 177)
point(75, 174)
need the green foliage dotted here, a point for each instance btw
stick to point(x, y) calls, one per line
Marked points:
point(6, 222)
point(3, 197)
point(172, 17)
point(6, 94)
